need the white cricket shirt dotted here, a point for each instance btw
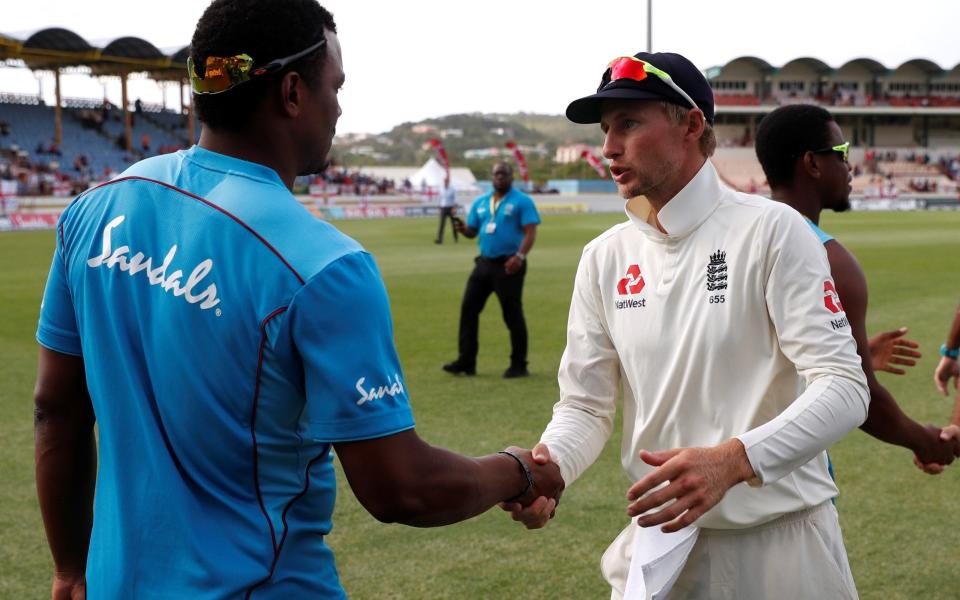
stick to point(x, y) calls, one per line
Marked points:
point(727, 326)
point(448, 197)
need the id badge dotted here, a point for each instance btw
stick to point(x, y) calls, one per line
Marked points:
point(491, 227)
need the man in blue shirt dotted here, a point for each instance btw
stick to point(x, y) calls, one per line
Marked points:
point(805, 159)
point(226, 343)
point(506, 221)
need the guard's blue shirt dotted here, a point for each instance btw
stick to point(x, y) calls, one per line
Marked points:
point(229, 337)
point(514, 212)
point(823, 236)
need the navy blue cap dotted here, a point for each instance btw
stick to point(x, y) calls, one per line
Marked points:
point(683, 72)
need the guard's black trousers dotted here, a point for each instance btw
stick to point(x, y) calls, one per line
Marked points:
point(488, 277)
point(446, 212)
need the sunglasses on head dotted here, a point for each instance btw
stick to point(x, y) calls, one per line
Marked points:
point(223, 73)
point(842, 149)
point(634, 69)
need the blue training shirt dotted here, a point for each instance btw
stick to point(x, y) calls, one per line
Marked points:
point(229, 337)
point(822, 235)
point(514, 212)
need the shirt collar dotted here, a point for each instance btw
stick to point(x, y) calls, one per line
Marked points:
point(231, 164)
point(685, 211)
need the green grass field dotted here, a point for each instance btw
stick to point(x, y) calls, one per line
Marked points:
point(899, 524)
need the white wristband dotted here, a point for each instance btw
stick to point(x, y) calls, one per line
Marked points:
point(521, 255)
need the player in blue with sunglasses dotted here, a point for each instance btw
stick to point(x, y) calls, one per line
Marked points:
point(806, 161)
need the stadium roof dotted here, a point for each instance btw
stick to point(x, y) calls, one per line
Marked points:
point(55, 38)
point(867, 63)
point(930, 68)
point(814, 64)
point(56, 47)
point(927, 66)
point(758, 63)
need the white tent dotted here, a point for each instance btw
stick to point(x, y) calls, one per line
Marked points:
point(432, 173)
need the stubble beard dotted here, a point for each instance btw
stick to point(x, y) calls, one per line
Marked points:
point(646, 183)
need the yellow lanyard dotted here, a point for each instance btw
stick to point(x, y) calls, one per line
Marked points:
point(494, 206)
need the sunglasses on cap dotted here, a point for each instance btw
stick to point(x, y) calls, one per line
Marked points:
point(842, 149)
point(632, 68)
point(223, 73)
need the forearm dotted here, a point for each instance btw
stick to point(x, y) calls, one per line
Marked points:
point(527, 244)
point(829, 408)
point(575, 438)
point(953, 337)
point(888, 423)
point(403, 479)
point(455, 488)
point(65, 456)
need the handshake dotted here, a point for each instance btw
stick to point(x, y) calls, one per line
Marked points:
point(936, 448)
point(538, 504)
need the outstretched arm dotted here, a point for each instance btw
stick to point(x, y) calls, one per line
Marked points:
point(588, 378)
point(885, 420)
point(890, 348)
point(948, 368)
point(401, 478)
point(66, 466)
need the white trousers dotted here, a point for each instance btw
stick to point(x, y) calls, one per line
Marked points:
point(797, 556)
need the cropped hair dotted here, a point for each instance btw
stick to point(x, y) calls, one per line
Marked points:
point(679, 114)
point(265, 30)
point(785, 135)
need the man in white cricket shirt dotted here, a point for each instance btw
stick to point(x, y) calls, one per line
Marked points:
point(715, 312)
point(448, 208)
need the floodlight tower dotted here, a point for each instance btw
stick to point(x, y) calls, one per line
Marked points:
point(649, 25)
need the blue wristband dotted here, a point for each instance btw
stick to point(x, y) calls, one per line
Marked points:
point(949, 352)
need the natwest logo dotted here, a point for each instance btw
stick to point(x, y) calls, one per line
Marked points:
point(831, 299)
point(631, 284)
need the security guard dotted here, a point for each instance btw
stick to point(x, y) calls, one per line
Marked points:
point(506, 220)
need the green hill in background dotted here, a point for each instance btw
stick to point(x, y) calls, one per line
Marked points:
point(408, 143)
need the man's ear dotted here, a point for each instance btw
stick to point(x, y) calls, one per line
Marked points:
point(291, 94)
point(808, 162)
point(696, 123)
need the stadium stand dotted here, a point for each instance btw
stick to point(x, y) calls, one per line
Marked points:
point(77, 142)
point(903, 122)
point(739, 168)
point(91, 147)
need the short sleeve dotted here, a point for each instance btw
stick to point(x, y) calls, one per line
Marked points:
point(529, 214)
point(57, 329)
point(343, 333)
point(473, 219)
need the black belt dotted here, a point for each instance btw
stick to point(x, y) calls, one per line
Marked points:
point(495, 260)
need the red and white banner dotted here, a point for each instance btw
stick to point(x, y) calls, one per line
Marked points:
point(595, 162)
point(521, 161)
point(22, 221)
point(373, 212)
point(441, 154)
